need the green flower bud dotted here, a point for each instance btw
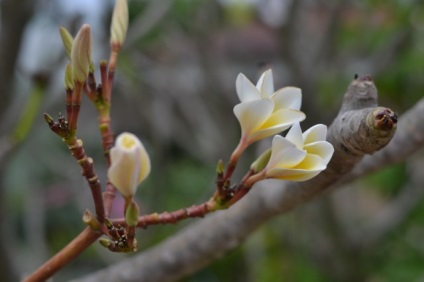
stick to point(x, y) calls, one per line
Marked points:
point(81, 54)
point(69, 79)
point(119, 25)
point(105, 242)
point(220, 167)
point(261, 162)
point(131, 214)
point(67, 40)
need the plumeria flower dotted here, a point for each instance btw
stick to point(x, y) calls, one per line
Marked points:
point(130, 164)
point(263, 112)
point(299, 157)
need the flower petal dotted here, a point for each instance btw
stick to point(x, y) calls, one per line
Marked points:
point(284, 154)
point(315, 133)
point(284, 117)
point(246, 91)
point(121, 172)
point(145, 164)
point(292, 174)
point(253, 114)
point(265, 84)
point(288, 97)
point(295, 135)
point(321, 148)
point(278, 122)
point(307, 169)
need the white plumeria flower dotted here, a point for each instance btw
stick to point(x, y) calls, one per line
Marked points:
point(263, 112)
point(130, 164)
point(299, 157)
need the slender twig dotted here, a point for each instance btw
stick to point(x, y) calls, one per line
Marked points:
point(199, 210)
point(89, 173)
point(171, 217)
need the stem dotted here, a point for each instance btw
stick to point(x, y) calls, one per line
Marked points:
point(108, 197)
point(64, 256)
point(105, 130)
point(242, 145)
point(74, 107)
point(107, 72)
point(86, 163)
point(246, 185)
point(172, 217)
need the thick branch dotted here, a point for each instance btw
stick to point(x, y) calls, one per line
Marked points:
point(211, 238)
point(406, 141)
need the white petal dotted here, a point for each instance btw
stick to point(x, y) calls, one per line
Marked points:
point(288, 97)
point(253, 114)
point(246, 91)
point(307, 169)
point(264, 133)
point(292, 174)
point(278, 122)
point(295, 135)
point(284, 154)
point(121, 174)
point(321, 148)
point(315, 133)
point(266, 84)
point(145, 164)
point(284, 117)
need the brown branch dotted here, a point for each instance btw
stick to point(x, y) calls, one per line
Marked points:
point(86, 163)
point(90, 175)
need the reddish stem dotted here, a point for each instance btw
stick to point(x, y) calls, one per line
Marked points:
point(108, 197)
point(170, 217)
point(89, 173)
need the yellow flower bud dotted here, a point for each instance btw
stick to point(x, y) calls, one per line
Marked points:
point(130, 164)
point(119, 25)
point(81, 54)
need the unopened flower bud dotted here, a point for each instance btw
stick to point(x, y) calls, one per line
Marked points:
point(261, 162)
point(69, 79)
point(220, 167)
point(119, 25)
point(67, 40)
point(131, 214)
point(81, 54)
point(130, 164)
point(105, 242)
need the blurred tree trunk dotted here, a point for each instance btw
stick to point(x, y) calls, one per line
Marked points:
point(14, 17)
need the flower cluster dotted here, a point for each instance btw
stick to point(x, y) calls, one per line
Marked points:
point(261, 113)
point(264, 112)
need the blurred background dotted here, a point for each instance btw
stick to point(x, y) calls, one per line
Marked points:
point(175, 89)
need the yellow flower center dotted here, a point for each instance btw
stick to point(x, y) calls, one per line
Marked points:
point(128, 141)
